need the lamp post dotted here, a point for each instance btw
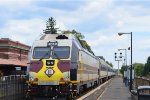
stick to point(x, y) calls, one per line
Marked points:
point(131, 59)
point(117, 60)
point(125, 55)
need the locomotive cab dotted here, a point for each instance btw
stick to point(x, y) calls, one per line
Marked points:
point(50, 70)
point(50, 62)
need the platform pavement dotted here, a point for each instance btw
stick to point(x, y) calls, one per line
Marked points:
point(116, 91)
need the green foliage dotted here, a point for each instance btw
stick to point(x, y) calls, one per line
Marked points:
point(75, 33)
point(146, 70)
point(123, 68)
point(80, 38)
point(87, 46)
point(138, 69)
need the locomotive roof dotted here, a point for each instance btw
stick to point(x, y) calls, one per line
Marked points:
point(57, 36)
point(47, 37)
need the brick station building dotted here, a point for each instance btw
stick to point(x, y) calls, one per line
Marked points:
point(13, 57)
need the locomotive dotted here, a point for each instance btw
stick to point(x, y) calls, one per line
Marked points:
point(60, 65)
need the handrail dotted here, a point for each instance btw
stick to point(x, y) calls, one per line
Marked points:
point(141, 81)
point(12, 77)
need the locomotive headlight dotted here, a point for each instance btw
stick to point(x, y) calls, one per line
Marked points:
point(31, 78)
point(65, 78)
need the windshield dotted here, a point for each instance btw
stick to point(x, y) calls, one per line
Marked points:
point(61, 52)
point(41, 52)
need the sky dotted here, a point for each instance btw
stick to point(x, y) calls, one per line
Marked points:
point(98, 20)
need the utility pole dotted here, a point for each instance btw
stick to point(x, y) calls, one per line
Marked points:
point(131, 60)
point(116, 59)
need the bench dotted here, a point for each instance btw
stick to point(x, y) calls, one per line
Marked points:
point(142, 93)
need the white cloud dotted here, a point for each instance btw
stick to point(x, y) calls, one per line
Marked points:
point(107, 38)
point(130, 18)
point(19, 38)
point(15, 4)
point(119, 24)
point(141, 44)
point(26, 31)
point(19, 29)
point(93, 8)
point(61, 26)
point(85, 12)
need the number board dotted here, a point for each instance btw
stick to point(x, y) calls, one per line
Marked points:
point(52, 43)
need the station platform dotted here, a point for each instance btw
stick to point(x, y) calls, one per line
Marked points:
point(116, 91)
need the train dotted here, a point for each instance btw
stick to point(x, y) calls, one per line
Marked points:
point(59, 65)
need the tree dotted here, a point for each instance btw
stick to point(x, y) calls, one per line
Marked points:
point(80, 37)
point(123, 68)
point(75, 33)
point(138, 69)
point(144, 71)
point(87, 46)
point(50, 26)
point(147, 67)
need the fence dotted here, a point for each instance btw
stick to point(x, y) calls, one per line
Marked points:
point(140, 81)
point(12, 87)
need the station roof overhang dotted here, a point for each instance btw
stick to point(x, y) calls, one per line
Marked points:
point(8, 62)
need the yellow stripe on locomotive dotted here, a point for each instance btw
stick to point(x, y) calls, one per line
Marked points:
point(49, 75)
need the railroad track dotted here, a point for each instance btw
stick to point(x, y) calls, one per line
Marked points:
point(92, 93)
